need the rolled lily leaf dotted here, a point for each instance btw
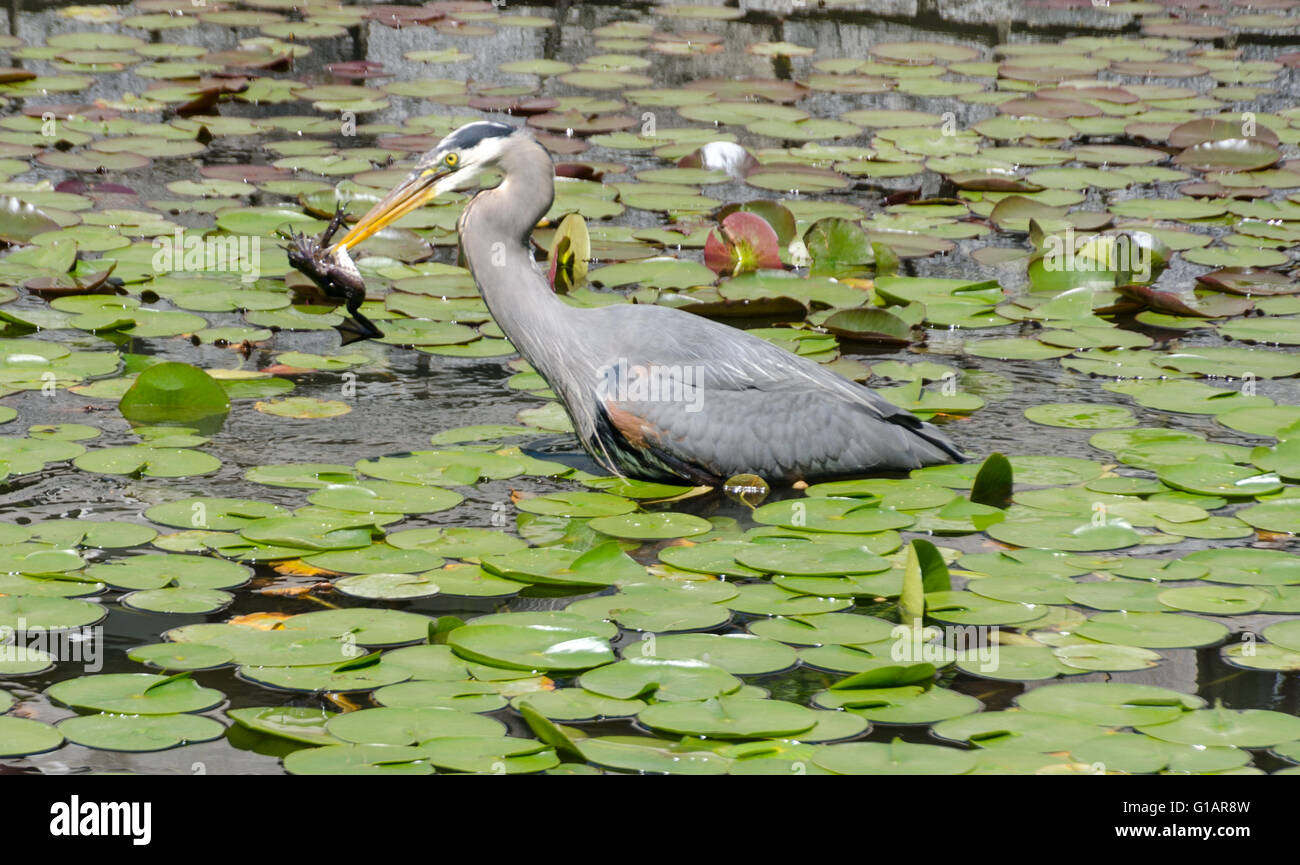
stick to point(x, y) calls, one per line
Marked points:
point(743, 243)
point(1182, 303)
point(174, 393)
point(777, 215)
point(570, 254)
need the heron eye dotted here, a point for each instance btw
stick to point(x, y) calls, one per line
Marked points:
point(451, 159)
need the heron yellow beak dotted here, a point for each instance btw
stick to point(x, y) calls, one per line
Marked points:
point(410, 194)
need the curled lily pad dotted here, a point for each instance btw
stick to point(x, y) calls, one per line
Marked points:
point(174, 393)
point(294, 723)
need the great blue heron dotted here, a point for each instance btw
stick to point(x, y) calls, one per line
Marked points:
point(653, 392)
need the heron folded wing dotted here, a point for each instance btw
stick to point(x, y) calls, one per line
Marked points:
point(779, 432)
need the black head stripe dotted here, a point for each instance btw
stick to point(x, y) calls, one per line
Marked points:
point(472, 134)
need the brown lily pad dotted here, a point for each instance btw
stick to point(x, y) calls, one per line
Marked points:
point(245, 173)
point(1202, 129)
point(577, 123)
point(1229, 154)
point(1180, 303)
point(1055, 109)
point(1249, 281)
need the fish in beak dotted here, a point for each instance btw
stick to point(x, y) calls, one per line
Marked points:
point(419, 188)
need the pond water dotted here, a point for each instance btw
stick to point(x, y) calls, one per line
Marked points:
point(921, 98)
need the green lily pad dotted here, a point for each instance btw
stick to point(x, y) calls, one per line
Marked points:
point(358, 760)
point(180, 656)
point(738, 654)
point(1111, 704)
point(575, 704)
point(804, 559)
point(1080, 415)
point(178, 600)
point(1017, 730)
point(577, 504)
point(53, 613)
point(604, 565)
point(489, 755)
point(649, 527)
point(1106, 657)
point(1211, 479)
point(393, 726)
point(729, 718)
point(644, 754)
point(1064, 533)
point(158, 570)
point(295, 723)
point(532, 648)
point(823, 629)
point(158, 462)
point(840, 515)
point(136, 694)
point(894, 758)
point(174, 393)
point(1152, 630)
point(1280, 516)
point(216, 514)
point(1220, 726)
point(666, 680)
point(22, 736)
point(110, 732)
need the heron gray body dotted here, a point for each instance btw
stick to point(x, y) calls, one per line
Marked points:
point(661, 394)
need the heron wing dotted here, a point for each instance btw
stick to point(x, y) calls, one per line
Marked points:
point(727, 401)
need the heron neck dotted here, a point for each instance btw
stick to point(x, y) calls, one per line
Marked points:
point(494, 234)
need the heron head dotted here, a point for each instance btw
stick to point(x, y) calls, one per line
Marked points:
point(454, 165)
